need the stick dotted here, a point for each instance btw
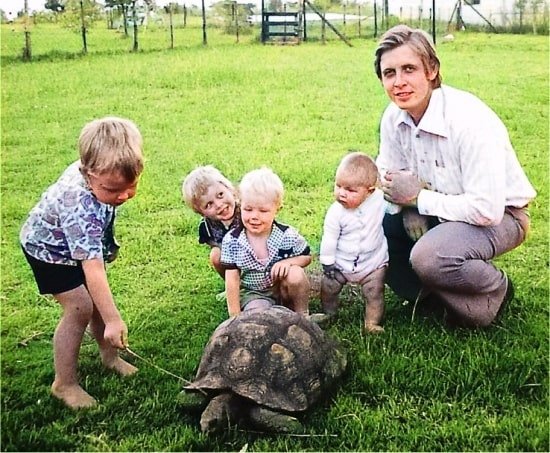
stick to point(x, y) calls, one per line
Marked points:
point(137, 356)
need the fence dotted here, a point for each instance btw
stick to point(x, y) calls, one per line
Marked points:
point(160, 30)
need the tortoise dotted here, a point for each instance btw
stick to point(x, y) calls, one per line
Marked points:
point(261, 369)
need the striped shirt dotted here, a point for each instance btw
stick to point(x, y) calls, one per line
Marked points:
point(462, 151)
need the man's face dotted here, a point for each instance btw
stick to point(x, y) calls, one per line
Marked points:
point(406, 81)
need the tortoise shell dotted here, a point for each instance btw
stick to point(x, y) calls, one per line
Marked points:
point(275, 357)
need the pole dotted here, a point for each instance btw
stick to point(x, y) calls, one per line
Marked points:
point(170, 7)
point(433, 21)
point(340, 35)
point(375, 20)
point(27, 52)
point(204, 41)
point(85, 47)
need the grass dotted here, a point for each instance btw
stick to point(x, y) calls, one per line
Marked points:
point(419, 387)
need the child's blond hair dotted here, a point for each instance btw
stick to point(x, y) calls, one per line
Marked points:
point(111, 145)
point(357, 168)
point(197, 183)
point(262, 183)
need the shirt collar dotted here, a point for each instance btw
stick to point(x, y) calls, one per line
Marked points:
point(433, 120)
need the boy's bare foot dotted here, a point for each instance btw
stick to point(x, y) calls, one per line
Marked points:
point(120, 366)
point(373, 328)
point(73, 396)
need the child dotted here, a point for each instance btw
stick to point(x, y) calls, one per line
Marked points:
point(211, 194)
point(353, 246)
point(68, 237)
point(264, 259)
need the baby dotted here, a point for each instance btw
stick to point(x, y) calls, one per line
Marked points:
point(353, 246)
point(209, 193)
point(264, 259)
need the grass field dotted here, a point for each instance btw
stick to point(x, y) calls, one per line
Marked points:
point(418, 387)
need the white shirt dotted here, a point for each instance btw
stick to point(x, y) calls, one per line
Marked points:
point(353, 239)
point(462, 151)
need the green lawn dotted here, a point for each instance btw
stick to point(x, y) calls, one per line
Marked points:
point(298, 109)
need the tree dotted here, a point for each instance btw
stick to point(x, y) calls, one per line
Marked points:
point(55, 5)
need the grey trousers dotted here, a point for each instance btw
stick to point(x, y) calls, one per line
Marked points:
point(453, 262)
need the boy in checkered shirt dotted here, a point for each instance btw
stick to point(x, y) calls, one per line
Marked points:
point(264, 259)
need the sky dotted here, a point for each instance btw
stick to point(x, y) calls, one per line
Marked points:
point(38, 5)
point(15, 6)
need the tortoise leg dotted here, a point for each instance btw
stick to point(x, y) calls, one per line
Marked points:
point(271, 421)
point(220, 413)
point(192, 402)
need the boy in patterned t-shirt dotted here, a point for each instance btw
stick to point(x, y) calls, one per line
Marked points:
point(264, 259)
point(68, 238)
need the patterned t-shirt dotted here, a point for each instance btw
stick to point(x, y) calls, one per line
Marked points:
point(68, 224)
point(237, 253)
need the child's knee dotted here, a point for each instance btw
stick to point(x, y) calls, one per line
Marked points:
point(215, 257)
point(296, 277)
point(81, 311)
point(330, 286)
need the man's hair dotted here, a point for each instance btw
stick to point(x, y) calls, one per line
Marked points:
point(418, 40)
point(111, 145)
point(197, 183)
point(358, 169)
point(262, 183)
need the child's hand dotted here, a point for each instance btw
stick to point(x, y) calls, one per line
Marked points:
point(280, 270)
point(329, 270)
point(415, 224)
point(116, 333)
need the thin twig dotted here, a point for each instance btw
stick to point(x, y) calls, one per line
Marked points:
point(137, 356)
point(415, 304)
point(286, 434)
point(25, 342)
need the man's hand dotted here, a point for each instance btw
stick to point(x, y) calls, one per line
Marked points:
point(401, 187)
point(415, 224)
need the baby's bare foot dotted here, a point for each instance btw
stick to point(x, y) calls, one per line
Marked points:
point(120, 366)
point(73, 396)
point(373, 328)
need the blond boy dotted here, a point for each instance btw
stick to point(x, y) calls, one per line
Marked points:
point(264, 259)
point(209, 193)
point(67, 239)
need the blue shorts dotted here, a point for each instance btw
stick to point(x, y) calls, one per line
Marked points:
point(55, 278)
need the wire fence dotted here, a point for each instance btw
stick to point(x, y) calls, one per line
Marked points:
point(162, 28)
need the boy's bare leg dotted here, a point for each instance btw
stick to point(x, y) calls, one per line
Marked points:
point(330, 291)
point(77, 311)
point(216, 261)
point(295, 289)
point(109, 354)
point(373, 292)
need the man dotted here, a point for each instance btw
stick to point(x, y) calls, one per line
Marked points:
point(457, 194)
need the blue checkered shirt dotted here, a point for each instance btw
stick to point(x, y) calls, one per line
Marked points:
point(237, 253)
